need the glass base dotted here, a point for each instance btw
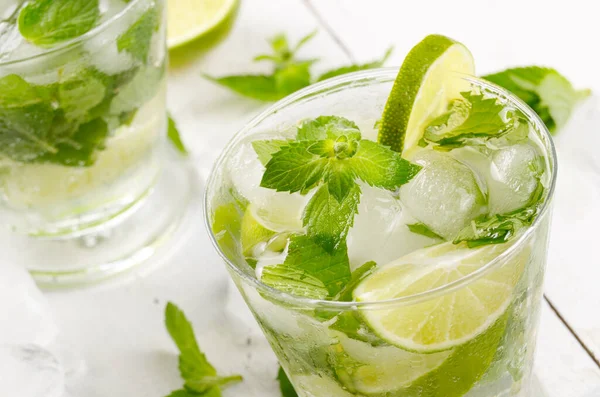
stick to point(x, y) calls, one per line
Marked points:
point(117, 245)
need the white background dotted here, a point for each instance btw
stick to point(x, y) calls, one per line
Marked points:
point(118, 326)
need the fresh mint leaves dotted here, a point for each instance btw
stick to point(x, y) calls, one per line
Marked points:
point(138, 38)
point(200, 376)
point(174, 136)
point(287, 390)
point(545, 90)
point(330, 156)
point(473, 117)
point(289, 73)
point(48, 22)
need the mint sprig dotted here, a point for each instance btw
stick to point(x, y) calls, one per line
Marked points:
point(544, 89)
point(174, 136)
point(200, 376)
point(48, 22)
point(289, 73)
point(424, 230)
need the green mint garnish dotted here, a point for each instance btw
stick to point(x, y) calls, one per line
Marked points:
point(48, 22)
point(424, 230)
point(471, 118)
point(545, 90)
point(138, 38)
point(199, 375)
point(265, 149)
point(500, 228)
point(174, 136)
point(287, 390)
point(289, 73)
point(351, 324)
point(294, 281)
point(331, 154)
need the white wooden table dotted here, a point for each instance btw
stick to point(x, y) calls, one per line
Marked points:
point(118, 326)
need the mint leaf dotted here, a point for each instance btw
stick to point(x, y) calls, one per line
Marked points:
point(287, 390)
point(227, 225)
point(327, 127)
point(345, 295)
point(339, 179)
point(183, 393)
point(174, 136)
point(291, 78)
point(356, 68)
point(472, 117)
point(138, 38)
point(327, 220)
point(294, 281)
point(199, 375)
point(424, 230)
point(332, 268)
point(265, 149)
point(48, 22)
point(545, 90)
point(261, 87)
point(351, 324)
point(379, 166)
point(293, 168)
point(137, 89)
point(80, 94)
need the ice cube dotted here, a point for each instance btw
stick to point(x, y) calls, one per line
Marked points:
point(444, 195)
point(380, 232)
point(30, 371)
point(246, 172)
point(512, 179)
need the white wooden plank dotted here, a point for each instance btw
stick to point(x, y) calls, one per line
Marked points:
point(562, 367)
point(499, 33)
point(118, 327)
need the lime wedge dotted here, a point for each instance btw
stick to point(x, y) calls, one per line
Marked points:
point(449, 319)
point(369, 370)
point(423, 90)
point(190, 19)
point(260, 225)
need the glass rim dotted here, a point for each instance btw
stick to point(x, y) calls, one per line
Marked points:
point(69, 44)
point(326, 86)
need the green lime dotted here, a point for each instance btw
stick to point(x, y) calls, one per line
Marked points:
point(423, 90)
point(190, 19)
point(449, 319)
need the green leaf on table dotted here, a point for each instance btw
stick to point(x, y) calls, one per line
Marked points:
point(472, 117)
point(261, 87)
point(328, 220)
point(327, 127)
point(183, 393)
point(265, 149)
point(49, 22)
point(286, 387)
point(292, 77)
point(137, 39)
point(545, 90)
point(174, 136)
point(381, 167)
point(199, 375)
point(356, 67)
point(424, 230)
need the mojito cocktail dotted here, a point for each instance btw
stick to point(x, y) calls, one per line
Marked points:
point(388, 230)
point(82, 112)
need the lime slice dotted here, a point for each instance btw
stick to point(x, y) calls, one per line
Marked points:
point(190, 19)
point(449, 319)
point(370, 370)
point(423, 90)
point(260, 225)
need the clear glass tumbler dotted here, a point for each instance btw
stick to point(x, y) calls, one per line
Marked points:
point(86, 190)
point(312, 338)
